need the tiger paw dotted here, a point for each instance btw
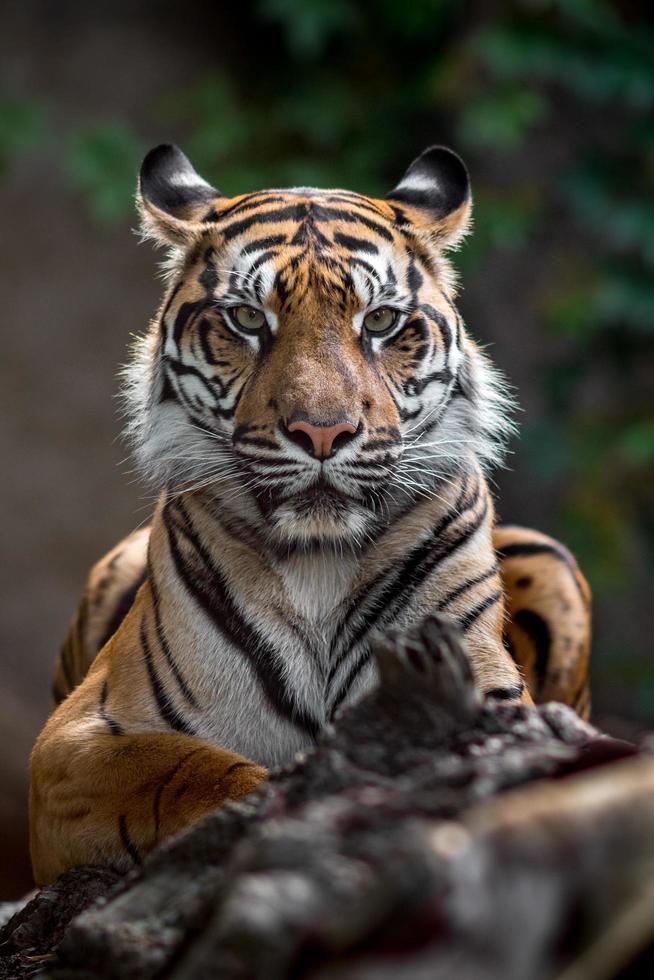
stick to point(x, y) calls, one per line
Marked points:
point(431, 658)
point(241, 779)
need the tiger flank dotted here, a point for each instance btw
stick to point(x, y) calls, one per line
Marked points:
point(318, 423)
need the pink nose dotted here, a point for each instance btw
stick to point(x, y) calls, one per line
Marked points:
point(322, 436)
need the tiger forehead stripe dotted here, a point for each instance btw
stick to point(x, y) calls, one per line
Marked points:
point(317, 210)
point(249, 202)
point(308, 218)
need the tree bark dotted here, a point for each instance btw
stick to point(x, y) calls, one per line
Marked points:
point(427, 836)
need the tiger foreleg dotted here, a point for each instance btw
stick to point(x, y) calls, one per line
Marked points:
point(100, 798)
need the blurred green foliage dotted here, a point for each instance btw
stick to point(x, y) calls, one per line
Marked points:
point(101, 160)
point(551, 102)
point(22, 127)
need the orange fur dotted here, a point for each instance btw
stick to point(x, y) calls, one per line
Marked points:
point(239, 624)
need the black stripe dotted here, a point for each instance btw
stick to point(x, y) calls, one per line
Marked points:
point(539, 633)
point(506, 693)
point(416, 386)
point(441, 322)
point(377, 465)
point(417, 567)
point(205, 328)
point(184, 314)
point(208, 587)
point(414, 276)
point(520, 548)
point(273, 469)
point(214, 385)
point(114, 727)
point(411, 575)
point(352, 199)
point(236, 765)
point(293, 212)
point(407, 416)
point(362, 264)
point(165, 647)
point(268, 242)
point(322, 212)
point(167, 711)
point(164, 316)
point(258, 441)
point(307, 231)
point(127, 841)
point(473, 615)
point(455, 593)
point(527, 549)
point(353, 673)
point(355, 244)
point(238, 528)
point(431, 421)
point(364, 594)
point(250, 202)
point(425, 559)
point(382, 443)
point(180, 369)
point(166, 781)
point(261, 260)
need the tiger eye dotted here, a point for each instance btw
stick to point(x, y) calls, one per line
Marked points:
point(380, 320)
point(248, 317)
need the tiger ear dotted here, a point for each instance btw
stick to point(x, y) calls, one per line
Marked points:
point(172, 199)
point(436, 192)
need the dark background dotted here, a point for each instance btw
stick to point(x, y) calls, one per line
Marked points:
point(551, 104)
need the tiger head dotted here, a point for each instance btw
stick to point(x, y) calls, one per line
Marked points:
point(307, 359)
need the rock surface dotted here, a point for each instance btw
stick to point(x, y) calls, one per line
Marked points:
point(427, 836)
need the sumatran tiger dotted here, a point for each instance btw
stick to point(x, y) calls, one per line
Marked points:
point(318, 423)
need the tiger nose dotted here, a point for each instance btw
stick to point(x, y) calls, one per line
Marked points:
point(321, 440)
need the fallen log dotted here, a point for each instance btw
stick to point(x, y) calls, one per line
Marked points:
point(428, 835)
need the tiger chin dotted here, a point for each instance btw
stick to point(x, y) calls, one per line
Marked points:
point(318, 518)
point(318, 425)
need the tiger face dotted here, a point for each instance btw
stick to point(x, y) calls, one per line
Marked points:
point(308, 360)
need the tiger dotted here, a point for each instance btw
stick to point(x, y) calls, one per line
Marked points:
point(319, 427)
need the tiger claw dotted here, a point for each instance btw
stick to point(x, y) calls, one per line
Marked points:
point(431, 656)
